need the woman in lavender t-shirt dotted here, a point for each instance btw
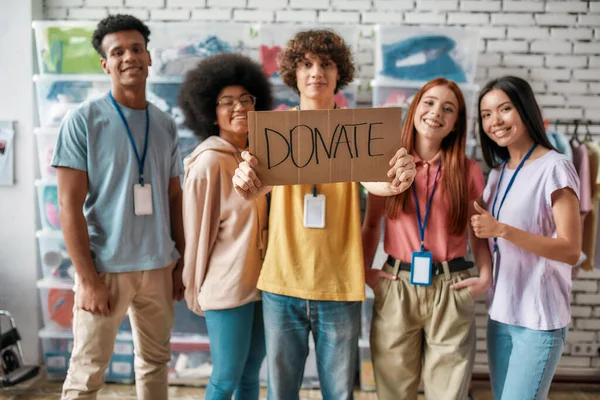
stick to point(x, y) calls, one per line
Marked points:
point(533, 226)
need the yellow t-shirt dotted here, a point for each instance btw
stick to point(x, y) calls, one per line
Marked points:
point(312, 263)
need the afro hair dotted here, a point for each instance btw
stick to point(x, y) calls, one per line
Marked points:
point(323, 42)
point(118, 23)
point(202, 85)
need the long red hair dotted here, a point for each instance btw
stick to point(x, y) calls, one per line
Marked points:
point(453, 176)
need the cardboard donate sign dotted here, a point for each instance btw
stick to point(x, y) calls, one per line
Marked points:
point(322, 146)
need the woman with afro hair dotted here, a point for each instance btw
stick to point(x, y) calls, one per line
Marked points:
point(225, 235)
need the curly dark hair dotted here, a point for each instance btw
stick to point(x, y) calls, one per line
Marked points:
point(323, 42)
point(202, 85)
point(117, 23)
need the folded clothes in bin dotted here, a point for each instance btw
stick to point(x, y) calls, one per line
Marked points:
point(69, 51)
point(421, 58)
point(178, 61)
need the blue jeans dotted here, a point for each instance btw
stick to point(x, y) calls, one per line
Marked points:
point(522, 361)
point(237, 349)
point(335, 326)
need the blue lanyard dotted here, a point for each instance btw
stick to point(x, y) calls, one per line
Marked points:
point(510, 183)
point(141, 160)
point(423, 223)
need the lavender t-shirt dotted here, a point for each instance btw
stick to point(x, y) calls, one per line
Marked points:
point(529, 290)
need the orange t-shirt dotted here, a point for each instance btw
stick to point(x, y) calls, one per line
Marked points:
point(402, 234)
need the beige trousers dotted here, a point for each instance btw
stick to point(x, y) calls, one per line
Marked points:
point(423, 332)
point(149, 298)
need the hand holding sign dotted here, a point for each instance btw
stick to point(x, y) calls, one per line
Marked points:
point(403, 171)
point(245, 182)
point(484, 225)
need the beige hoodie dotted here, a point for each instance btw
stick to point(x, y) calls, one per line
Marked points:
point(224, 234)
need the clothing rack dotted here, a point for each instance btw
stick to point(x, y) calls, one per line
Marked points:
point(580, 122)
point(576, 124)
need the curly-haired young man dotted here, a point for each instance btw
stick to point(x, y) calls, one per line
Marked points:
point(120, 209)
point(313, 279)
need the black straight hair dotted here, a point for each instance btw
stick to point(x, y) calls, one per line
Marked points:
point(521, 96)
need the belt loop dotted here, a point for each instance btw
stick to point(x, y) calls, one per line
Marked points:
point(446, 270)
point(396, 268)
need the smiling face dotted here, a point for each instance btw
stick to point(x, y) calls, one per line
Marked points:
point(500, 119)
point(126, 58)
point(436, 114)
point(316, 77)
point(232, 112)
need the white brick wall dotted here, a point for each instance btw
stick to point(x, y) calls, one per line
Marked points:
point(480, 5)
point(212, 14)
point(523, 6)
point(553, 44)
point(296, 16)
point(177, 14)
point(227, 3)
point(103, 3)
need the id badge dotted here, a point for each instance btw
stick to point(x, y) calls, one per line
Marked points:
point(420, 268)
point(314, 211)
point(495, 264)
point(142, 199)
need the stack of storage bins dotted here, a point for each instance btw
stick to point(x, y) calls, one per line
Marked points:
point(69, 74)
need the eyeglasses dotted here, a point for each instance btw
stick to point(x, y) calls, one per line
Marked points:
point(246, 100)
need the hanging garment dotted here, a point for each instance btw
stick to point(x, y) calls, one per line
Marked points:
point(268, 58)
point(590, 222)
point(582, 165)
point(562, 144)
point(421, 58)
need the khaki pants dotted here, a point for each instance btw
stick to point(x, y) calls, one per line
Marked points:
point(422, 328)
point(148, 295)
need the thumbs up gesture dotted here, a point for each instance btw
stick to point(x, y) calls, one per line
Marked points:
point(484, 225)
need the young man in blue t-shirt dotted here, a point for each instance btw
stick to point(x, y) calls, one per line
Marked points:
point(119, 193)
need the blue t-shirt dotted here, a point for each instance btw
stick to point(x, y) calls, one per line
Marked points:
point(93, 138)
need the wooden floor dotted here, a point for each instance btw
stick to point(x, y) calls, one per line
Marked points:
point(41, 389)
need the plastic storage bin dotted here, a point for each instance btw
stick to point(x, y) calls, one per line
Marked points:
point(286, 98)
point(57, 300)
point(311, 375)
point(190, 360)
point(57, 347)
point(402, 93)
point(367, 377)
point(56, 262)
point(47, 193)
point(273, 37)
point(163, 93)
point(46, 141)
point(176, 47)
point(65, 47)
point(58, 94)
point(367, 314)
point(422, 54)
point(186, 322)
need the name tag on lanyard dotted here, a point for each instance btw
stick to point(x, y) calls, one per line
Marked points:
point(421, 268)
point(314, 209)
point(421, 263)
point(142, 199)
point(496, 213)
point(142, 192)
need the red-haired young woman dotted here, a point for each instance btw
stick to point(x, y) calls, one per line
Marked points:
point(423, 314)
